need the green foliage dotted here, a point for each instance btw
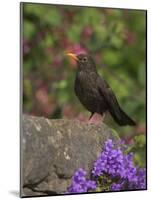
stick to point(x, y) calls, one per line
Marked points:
point(139, 150)
point(103, 183)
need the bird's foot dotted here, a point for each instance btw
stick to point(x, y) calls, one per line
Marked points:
point(96, 119)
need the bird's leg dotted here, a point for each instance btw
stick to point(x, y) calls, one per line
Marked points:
point(103, 116)
point(91, 115)
point(96, 118)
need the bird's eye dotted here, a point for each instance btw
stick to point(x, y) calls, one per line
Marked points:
point(85, 59)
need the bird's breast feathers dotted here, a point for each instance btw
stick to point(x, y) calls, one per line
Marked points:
point(85, 86)
point(85, 81)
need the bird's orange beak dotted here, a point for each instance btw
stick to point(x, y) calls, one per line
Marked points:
point(72, 55)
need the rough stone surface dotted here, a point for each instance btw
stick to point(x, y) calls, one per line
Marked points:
point(52, 150)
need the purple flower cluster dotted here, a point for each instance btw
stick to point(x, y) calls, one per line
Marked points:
point(116, 186)
point(110, 161)
point(114, 165)
point(141, 183)
point(80, 184)
point(113, 162)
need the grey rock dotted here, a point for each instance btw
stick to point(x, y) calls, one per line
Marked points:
point(52, 150)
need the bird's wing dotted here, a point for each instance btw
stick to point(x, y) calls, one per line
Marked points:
point(108, 96)
point(113, 106)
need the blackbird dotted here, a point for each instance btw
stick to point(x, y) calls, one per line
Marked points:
point(94, 92)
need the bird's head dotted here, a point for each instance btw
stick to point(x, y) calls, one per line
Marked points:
point(84, 61)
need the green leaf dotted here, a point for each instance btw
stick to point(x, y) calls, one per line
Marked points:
point(74, 33)
point(140, 140)
point(52, 17)
point(28, 29)
point(142, 75)
point(111, 57)
point(116, 41)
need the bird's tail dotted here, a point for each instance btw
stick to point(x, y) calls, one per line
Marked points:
point(122, 118)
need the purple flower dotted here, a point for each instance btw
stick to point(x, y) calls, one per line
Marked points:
point(113, 162)
point(80, 184)
point(141, 180)
point(113, 165)
point(116, 187)
point(110, 161)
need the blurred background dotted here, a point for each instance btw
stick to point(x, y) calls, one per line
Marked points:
point(116, 39)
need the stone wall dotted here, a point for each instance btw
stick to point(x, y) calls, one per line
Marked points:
point(52, 150)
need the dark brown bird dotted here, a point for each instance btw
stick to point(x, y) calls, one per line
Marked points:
point(94, 92)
